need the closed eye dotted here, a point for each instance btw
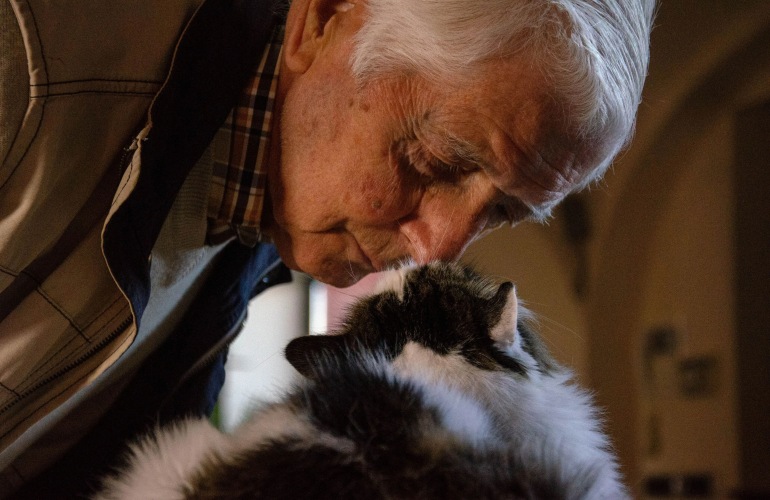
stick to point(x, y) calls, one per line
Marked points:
point(515, 210)
point(509, 211)
point(434, 168)
point(444, 171)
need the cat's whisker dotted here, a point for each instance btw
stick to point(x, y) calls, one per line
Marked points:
point(351, 273)
point(562, 328)
point(278, 352)
point(551, 324)
point(342, 291)
point(449, 220)
point(413, 247)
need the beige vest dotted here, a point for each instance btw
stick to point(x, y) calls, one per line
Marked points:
point(74, 95)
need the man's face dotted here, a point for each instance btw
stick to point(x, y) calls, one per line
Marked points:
point(403, 168)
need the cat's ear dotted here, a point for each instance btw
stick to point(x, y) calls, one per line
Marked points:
point(306, 353)
point(504, 330)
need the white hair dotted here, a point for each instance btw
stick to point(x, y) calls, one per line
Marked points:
point(593, 53)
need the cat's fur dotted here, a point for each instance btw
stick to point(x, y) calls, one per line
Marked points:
point(432, 389)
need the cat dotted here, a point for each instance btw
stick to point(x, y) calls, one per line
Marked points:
point(435, 387)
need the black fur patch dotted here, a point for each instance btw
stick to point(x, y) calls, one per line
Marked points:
point(285, 470)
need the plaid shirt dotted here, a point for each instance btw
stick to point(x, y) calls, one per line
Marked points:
point(240, 152)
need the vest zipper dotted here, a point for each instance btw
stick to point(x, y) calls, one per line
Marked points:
point(104, 342)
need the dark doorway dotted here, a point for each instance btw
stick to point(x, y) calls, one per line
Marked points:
point(752, 226)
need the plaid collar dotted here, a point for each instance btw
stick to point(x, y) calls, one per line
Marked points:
point(240, 152)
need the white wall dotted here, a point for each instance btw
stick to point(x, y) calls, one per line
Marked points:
point(256, 368)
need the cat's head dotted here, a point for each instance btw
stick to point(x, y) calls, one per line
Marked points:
point(445, 308)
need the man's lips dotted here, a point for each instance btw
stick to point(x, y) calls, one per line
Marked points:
point(370, 259)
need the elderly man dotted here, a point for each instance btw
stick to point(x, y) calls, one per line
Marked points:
point(164, 162)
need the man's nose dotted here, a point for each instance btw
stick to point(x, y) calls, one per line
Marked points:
point(440, 235)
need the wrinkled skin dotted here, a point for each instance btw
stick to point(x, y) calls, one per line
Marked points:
point(402, 167)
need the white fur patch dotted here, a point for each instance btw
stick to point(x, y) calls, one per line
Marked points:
point(161, 466)
point(280, 421)
point(272, 423)
point(435, 376)
point(393, 281)
point(547, 418)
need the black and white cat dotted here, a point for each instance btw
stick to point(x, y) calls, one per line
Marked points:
point(432, 389)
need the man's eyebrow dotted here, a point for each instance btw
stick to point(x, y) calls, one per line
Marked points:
point(465, 150)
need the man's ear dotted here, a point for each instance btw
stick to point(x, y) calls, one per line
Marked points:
point(308, 29)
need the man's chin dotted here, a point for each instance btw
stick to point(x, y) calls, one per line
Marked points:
point(324, 268)
point(340, 278)
point(336, 274)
